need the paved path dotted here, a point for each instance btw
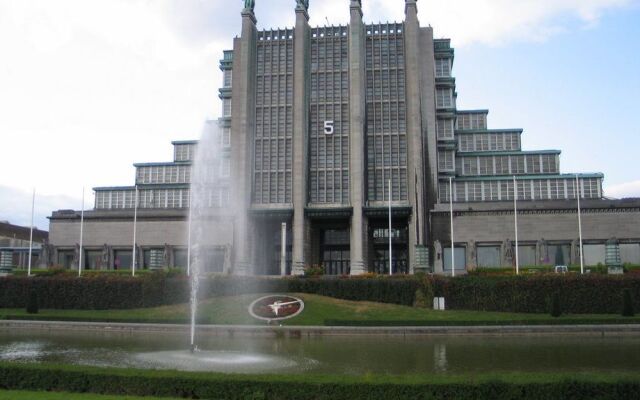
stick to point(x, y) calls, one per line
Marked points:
point(300, 331)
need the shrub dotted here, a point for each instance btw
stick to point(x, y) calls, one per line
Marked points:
point(314, 270)
point(129, 382)
point(627, 304)
point(32, 303)
point(556, 309)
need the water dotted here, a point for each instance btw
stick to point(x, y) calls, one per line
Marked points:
point(211, 218)
point(353, 355)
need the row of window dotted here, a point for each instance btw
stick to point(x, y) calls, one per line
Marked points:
point(184, 152)
point(163, 174)
point(273, 143)
point(529, 189)
point(489, 142)
point(274, 57)
point(384, 29)
point(274, 89)
point(274, 121)
point(508, 165)
point(384, 52)
point(492, 255)
point(158, 198)
point(272, 187)
point(471, 121)
point(329, 186)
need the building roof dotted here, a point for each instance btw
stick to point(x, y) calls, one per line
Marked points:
point(22, 232)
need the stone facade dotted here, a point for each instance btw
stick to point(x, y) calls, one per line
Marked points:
point(324, 129)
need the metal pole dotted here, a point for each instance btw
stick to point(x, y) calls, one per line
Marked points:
point(135, 221)
point(33, 203)
point(390, 249)
point(189, 233)
point(579, 224)
point(283, 249)
point(81, 235)
point(515, 220)
point(453, 258)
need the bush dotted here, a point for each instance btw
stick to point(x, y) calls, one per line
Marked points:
point(578, 294)
point(556, 309)
point(32, 303)
point(627, 304)
point(129, 382)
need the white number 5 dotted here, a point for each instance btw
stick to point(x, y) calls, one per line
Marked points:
point(328, 127)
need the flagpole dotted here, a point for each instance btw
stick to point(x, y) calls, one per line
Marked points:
point(453, 259)
point(135, 221)
point(81, 235)
point(579, 224)
point(515, 220)
point(189, 234)
point(390, 249)
point(33, 203)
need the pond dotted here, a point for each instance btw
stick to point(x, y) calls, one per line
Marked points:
point(355, 355)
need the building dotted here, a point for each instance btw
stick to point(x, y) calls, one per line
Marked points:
point(325, 129)
point(14, 246)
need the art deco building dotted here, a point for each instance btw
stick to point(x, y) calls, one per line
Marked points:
point(324, 127)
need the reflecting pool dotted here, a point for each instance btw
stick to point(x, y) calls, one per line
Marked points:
point(327, 354)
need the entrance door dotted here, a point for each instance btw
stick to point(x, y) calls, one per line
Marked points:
point(334, 251)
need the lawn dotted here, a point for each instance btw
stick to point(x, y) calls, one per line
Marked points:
point(319, 310)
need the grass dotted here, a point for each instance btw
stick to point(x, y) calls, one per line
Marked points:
point(319, 310)
point(27, 395)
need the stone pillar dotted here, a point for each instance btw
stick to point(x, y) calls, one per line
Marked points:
point(242, 133)
point(428, 111)
point(301, 55)
point(357, 106)
point(415, 165)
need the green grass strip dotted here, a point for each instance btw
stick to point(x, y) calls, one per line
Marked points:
point(319, 311)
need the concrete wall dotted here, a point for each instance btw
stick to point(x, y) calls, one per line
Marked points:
point(498, 226)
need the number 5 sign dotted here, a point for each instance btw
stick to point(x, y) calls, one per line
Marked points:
point(328, 127)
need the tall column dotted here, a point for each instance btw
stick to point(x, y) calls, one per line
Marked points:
point(242, 133)
point(357, 106)
point(415, 170)
point(428, 105)
point(301, 55)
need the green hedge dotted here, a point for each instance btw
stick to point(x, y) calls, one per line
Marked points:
point(84, 379)
point(579, 294)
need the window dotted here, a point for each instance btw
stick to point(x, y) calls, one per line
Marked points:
point(485, 166)
point(226, 137)
point(470, 166)
point(226, 107)
point(443, 67)
point(226, 79)
point(444, 98)
point(444, 128)
point(446, 160)
point(225, 167)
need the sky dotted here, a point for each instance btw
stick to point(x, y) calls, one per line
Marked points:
point(89, 87)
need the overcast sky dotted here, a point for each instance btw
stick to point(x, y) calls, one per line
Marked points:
point(88, 87)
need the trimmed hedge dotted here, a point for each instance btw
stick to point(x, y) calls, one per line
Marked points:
point(578, 294)
point(115, 381)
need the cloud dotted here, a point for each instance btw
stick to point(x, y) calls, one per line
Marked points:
point(15, 206)
point(492, 22)
point(622, 190)
point(89, 87)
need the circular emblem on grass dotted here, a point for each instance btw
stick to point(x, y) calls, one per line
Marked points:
point(276, 307)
